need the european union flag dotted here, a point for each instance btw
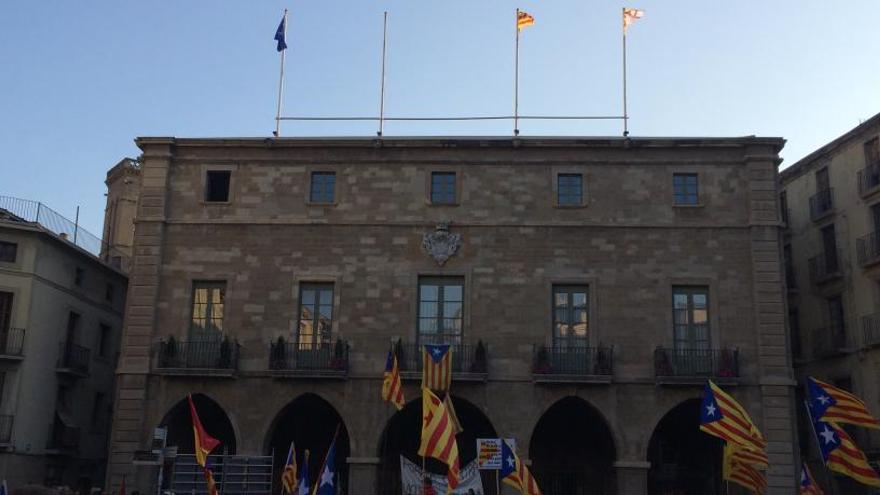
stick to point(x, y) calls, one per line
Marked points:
point(279, 34)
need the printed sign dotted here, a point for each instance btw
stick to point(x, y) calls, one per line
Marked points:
point(489, 452)
point(411, 482)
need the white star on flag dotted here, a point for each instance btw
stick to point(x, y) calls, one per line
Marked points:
point(710, 410)
point(436, 351)
point(824, 399)
point(827, 435)
point(327, 478)
point(511, 462)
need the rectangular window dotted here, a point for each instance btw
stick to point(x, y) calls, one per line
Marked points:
point(441, 310)
point(97, 412)
point(570, 316)
point(823, 183)
point(79, 276)
point(109, 290)
point(8, 252)
point(315, 314)
point(103, 340)
point(72, 336)
point(829, 246)
point(690, 318)
point(323, 188)
point(872, 152)
point(217, 186)
point(207, 311)
point(686, 189)
point(836, 315)
point(875, 217)
point(5, 312)
point(789, 267)
point(569, 189)
point(443, 188)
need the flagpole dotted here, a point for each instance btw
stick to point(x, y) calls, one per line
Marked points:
point(625, 115)
point(281, 83)
point(828, 475)
point(382, 91)
point(516, 79)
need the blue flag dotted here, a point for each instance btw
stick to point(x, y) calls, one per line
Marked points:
point(326, 483)
point(304, 484)
point(279, 34)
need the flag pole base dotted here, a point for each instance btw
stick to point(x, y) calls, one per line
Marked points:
point(516, 132)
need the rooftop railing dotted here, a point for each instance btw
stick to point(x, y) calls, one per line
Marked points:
point(329, 358)
point(11, 342)
point(689, 363)
point(821, 203)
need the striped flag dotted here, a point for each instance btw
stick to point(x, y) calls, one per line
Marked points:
point(808, 483)
point(723, 417)
point(737, 453)
point(438, 435)
point(515, 473)
point(304, 482)
point(829, 403)
point(748, 477)
point(392, 389)
point(630, 15)
point(209, 480)
point(437, 366)
point(288, 475)
point(841, 454)
point(524, 20)
point(204, 444)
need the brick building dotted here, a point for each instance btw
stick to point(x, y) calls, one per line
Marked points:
point(589, 286)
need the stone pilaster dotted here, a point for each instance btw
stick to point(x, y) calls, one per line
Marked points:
point(632, 477)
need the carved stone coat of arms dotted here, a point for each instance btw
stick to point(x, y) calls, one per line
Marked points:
point(441, 244)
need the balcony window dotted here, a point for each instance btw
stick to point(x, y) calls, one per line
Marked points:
point(441, 309)
point(570, 316)
point(207, 311)
point(872, 152)
point(323, 187)
point(690, 315)
point(315, 314)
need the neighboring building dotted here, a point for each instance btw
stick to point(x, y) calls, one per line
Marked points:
point(61, 313)
point(590, 286)
point(831, 207)
point(123, 184)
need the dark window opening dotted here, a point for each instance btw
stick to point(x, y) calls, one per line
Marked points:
point(443, 188)
point(872, 152)
point(103, 340)
point(686, 189)
point(217, 186)
point(109, 289)
point(79, 276)
point(569, 189)
point(8, 252)
point(323, 187)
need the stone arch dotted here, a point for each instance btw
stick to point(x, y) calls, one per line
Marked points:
point(214, 418)
point(401, 436)
point(310, 421)
point(572, 449)
point(683, 459)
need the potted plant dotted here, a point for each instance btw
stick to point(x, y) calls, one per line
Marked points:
point(480, 364)
point(225, 360)
point(339, 362)
point(542, 361)
point(603, 361)
point(169, 352)
point(278, 354)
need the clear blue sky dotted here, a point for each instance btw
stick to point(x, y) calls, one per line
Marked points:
point(79, 80)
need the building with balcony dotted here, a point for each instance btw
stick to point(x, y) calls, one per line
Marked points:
point(588, 288)
point(61, 311)
point(832, 257)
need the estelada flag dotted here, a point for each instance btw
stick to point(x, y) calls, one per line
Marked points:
point(204, 443)
point(723, 417)
point(515, 473)
point(437, 366)
point(392, 388)
point(841, 454)
point(829, 403)
point(438, 436)
point(808, 483)
point(523, 20)
point(734, 452)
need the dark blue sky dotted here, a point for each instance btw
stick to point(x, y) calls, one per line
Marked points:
point(81, 79)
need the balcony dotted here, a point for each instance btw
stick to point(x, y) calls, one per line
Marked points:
point(63, 438)
point(12, 344)
point(572, 364)
point(825, 267)
point(869, 180)
point(73, 360)
point(829, 341)
point(868, 248)
point(821, 204)
point(871, 330)
point(324, 360)
point(694, 366)
point(6, 429)
point(469, 362)
point(198, 358)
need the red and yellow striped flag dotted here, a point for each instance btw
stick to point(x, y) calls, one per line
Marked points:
point(204, 443)
point(438, 435)
point(437, 366)
point(842, 455)
point(523, 20)
point(392, 388)
point(829, 403)
point(630, 15)
point(723, 417)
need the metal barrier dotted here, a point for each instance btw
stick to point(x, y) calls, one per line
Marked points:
point(12, 342)
point(573, 360)
point(324, 356)
point(233, 475)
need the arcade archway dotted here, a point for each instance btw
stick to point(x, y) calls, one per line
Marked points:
point(310, 422)
point(684, 460)
point(402, 436)
point(214, 419)
point(572, 450)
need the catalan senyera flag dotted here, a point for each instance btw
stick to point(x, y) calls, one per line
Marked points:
point(808, 484)
point(437, 366)
point(438, 436)
point(630, 15)
point(829, 403)
point(737, 453)
point(524, 20)
point(392, 388)
point(204, 443)
point(288, 474)
point(515, 473)
point(723, 417)
point(748, 477)
point(841, 454)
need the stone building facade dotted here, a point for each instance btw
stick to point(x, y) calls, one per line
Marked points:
point(589, 286)
point(831, 208)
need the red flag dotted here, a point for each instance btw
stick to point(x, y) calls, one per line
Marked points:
point(204, 443)
point(122, 486)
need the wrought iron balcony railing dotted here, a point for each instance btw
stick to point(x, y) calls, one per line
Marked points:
point(829, 341)
point(577, 361)
point(73, 358)
point(12, 342)
point(466, 358)
point(869, 178)
point(195, 356)
point(825, 267)
point(871, 329)
point(821, 203)
point(689, 363)
point(320, 358)
point(6, 428)
point(868, 248)
point(63, 437)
